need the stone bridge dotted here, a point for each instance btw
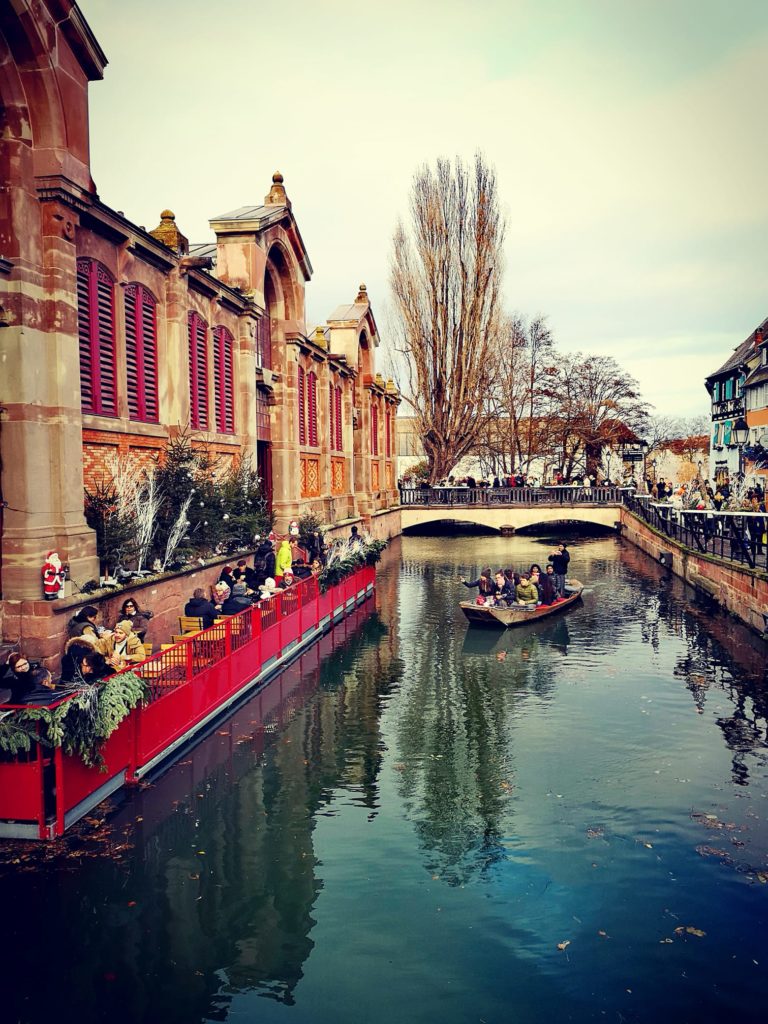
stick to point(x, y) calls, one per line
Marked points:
point(508, 509)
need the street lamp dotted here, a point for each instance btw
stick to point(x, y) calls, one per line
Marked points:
point(740, 434)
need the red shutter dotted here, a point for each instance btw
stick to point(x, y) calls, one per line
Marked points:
point(141, 353)
point(389, 433)
point(339, 421)
point(198, 372)
point(96, 333)
point(302, 418)
point(312, 407)
point(331, 419)
point(84, 327)
point(223, 384)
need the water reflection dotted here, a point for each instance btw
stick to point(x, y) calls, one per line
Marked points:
point(406, 823)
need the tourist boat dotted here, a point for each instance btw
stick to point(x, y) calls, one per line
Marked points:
point(519, 615)
point(192, 684)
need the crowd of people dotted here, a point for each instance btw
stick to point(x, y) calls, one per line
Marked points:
point(94, 651)
point(518, 479)
point(531, 587)
point(702, 495)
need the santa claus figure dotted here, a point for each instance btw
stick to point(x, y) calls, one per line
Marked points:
point(293, 528)
point(53, 576)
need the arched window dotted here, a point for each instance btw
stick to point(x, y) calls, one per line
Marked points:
point(388, 431)
point(198, 371)
point(223, 380)
point(312, 408)
point(302, 414)
point(141, 353)
point(96, 330)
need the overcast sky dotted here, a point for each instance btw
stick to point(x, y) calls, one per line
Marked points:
point(629, 140)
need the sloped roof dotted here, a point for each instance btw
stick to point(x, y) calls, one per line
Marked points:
point(350, 311)
point(741, 353)
point(758, 376)
point(204, 249)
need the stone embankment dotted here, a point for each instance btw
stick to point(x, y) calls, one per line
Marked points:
point(738, 589)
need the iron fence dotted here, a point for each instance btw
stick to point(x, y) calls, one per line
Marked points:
point(738, 537)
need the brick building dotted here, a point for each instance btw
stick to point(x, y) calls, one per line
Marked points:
point(114, 337)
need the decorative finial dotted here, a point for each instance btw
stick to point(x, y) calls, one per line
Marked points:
point(276, 195)
point(168, 233)
point(362, 295)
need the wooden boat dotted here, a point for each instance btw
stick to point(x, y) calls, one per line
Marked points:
point(519, 615)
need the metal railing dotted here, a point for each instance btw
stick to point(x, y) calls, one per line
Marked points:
point(738, 537)
point(493, 496)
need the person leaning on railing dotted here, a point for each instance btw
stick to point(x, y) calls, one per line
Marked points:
point(82, 662)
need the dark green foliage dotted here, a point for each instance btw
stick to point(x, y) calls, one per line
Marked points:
point(113, 533)
point(344, 559)
point(80, 725)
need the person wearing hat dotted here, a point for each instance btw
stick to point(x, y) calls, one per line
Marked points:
point(219, 594)
point(238, 601)
point(267, 589)
point(122, 647)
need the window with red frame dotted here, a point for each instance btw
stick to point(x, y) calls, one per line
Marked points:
point(302, 414)
point(198, 371)
point(374, 428)
point(388, 432)
point(339, 420)
point(223, 380)
point(141, 353)
point(331, 418)
point(312, 409)
point(96, 331)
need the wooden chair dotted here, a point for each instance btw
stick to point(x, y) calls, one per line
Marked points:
point(190, 624)
point(147, 650)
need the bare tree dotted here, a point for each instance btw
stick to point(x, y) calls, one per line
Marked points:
point(519, 393)
point(445, 276)
point(593, 403)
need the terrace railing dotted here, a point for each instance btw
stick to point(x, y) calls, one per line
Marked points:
point(738, 537)
point(495, 496)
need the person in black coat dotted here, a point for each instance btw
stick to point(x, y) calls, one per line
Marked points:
point(263, 564)
point(503, 591)
point(560, 560)
point(238, 600)
point(82, 663)
point(200, 608)
point(28, 681)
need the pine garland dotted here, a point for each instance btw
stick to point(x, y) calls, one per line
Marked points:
point(79, 726)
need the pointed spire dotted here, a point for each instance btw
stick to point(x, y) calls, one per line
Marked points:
point(362, 295)
point(277, 195)
point(168, 233)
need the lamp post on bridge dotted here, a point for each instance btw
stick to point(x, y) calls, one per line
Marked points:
point(740, 434)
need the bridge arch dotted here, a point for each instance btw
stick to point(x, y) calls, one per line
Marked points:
point(511, 517)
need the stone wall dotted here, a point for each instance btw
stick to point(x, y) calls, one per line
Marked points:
point(40, 627)
point(741, 591)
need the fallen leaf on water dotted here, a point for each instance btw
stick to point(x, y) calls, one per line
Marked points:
point(761, 876)
point(648, 846)
point(132, 903)
point(690, 930)
point(596, 832)
point(564, 945)
point(194, 877)
point(602, 934)
point(663, 941)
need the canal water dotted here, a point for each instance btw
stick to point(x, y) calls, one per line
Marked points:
point(421, 822)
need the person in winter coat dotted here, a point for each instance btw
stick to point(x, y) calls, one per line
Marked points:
point(503, 590)
point(547, 588)
point(237, 602)
point(82, 663)
point(84, 623)
point(283, 559)
point(526, 592)
point(200, 608)
point(29, 682)
point(484, 583)
point(139, 618)
point(560, 560)
point(263, 563)
point(227, 576)
point(122, 647)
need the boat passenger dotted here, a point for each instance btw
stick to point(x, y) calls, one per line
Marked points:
point(503, 591)
point(138, 617)
point(525, 592)
point(547, 588)
point(122, 647)
point(484, 582)
point(559, 560)
point(198, 607)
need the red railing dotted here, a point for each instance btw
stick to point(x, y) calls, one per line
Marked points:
point(187, 683)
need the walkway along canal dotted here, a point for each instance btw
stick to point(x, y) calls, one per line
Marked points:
point(567, 822)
